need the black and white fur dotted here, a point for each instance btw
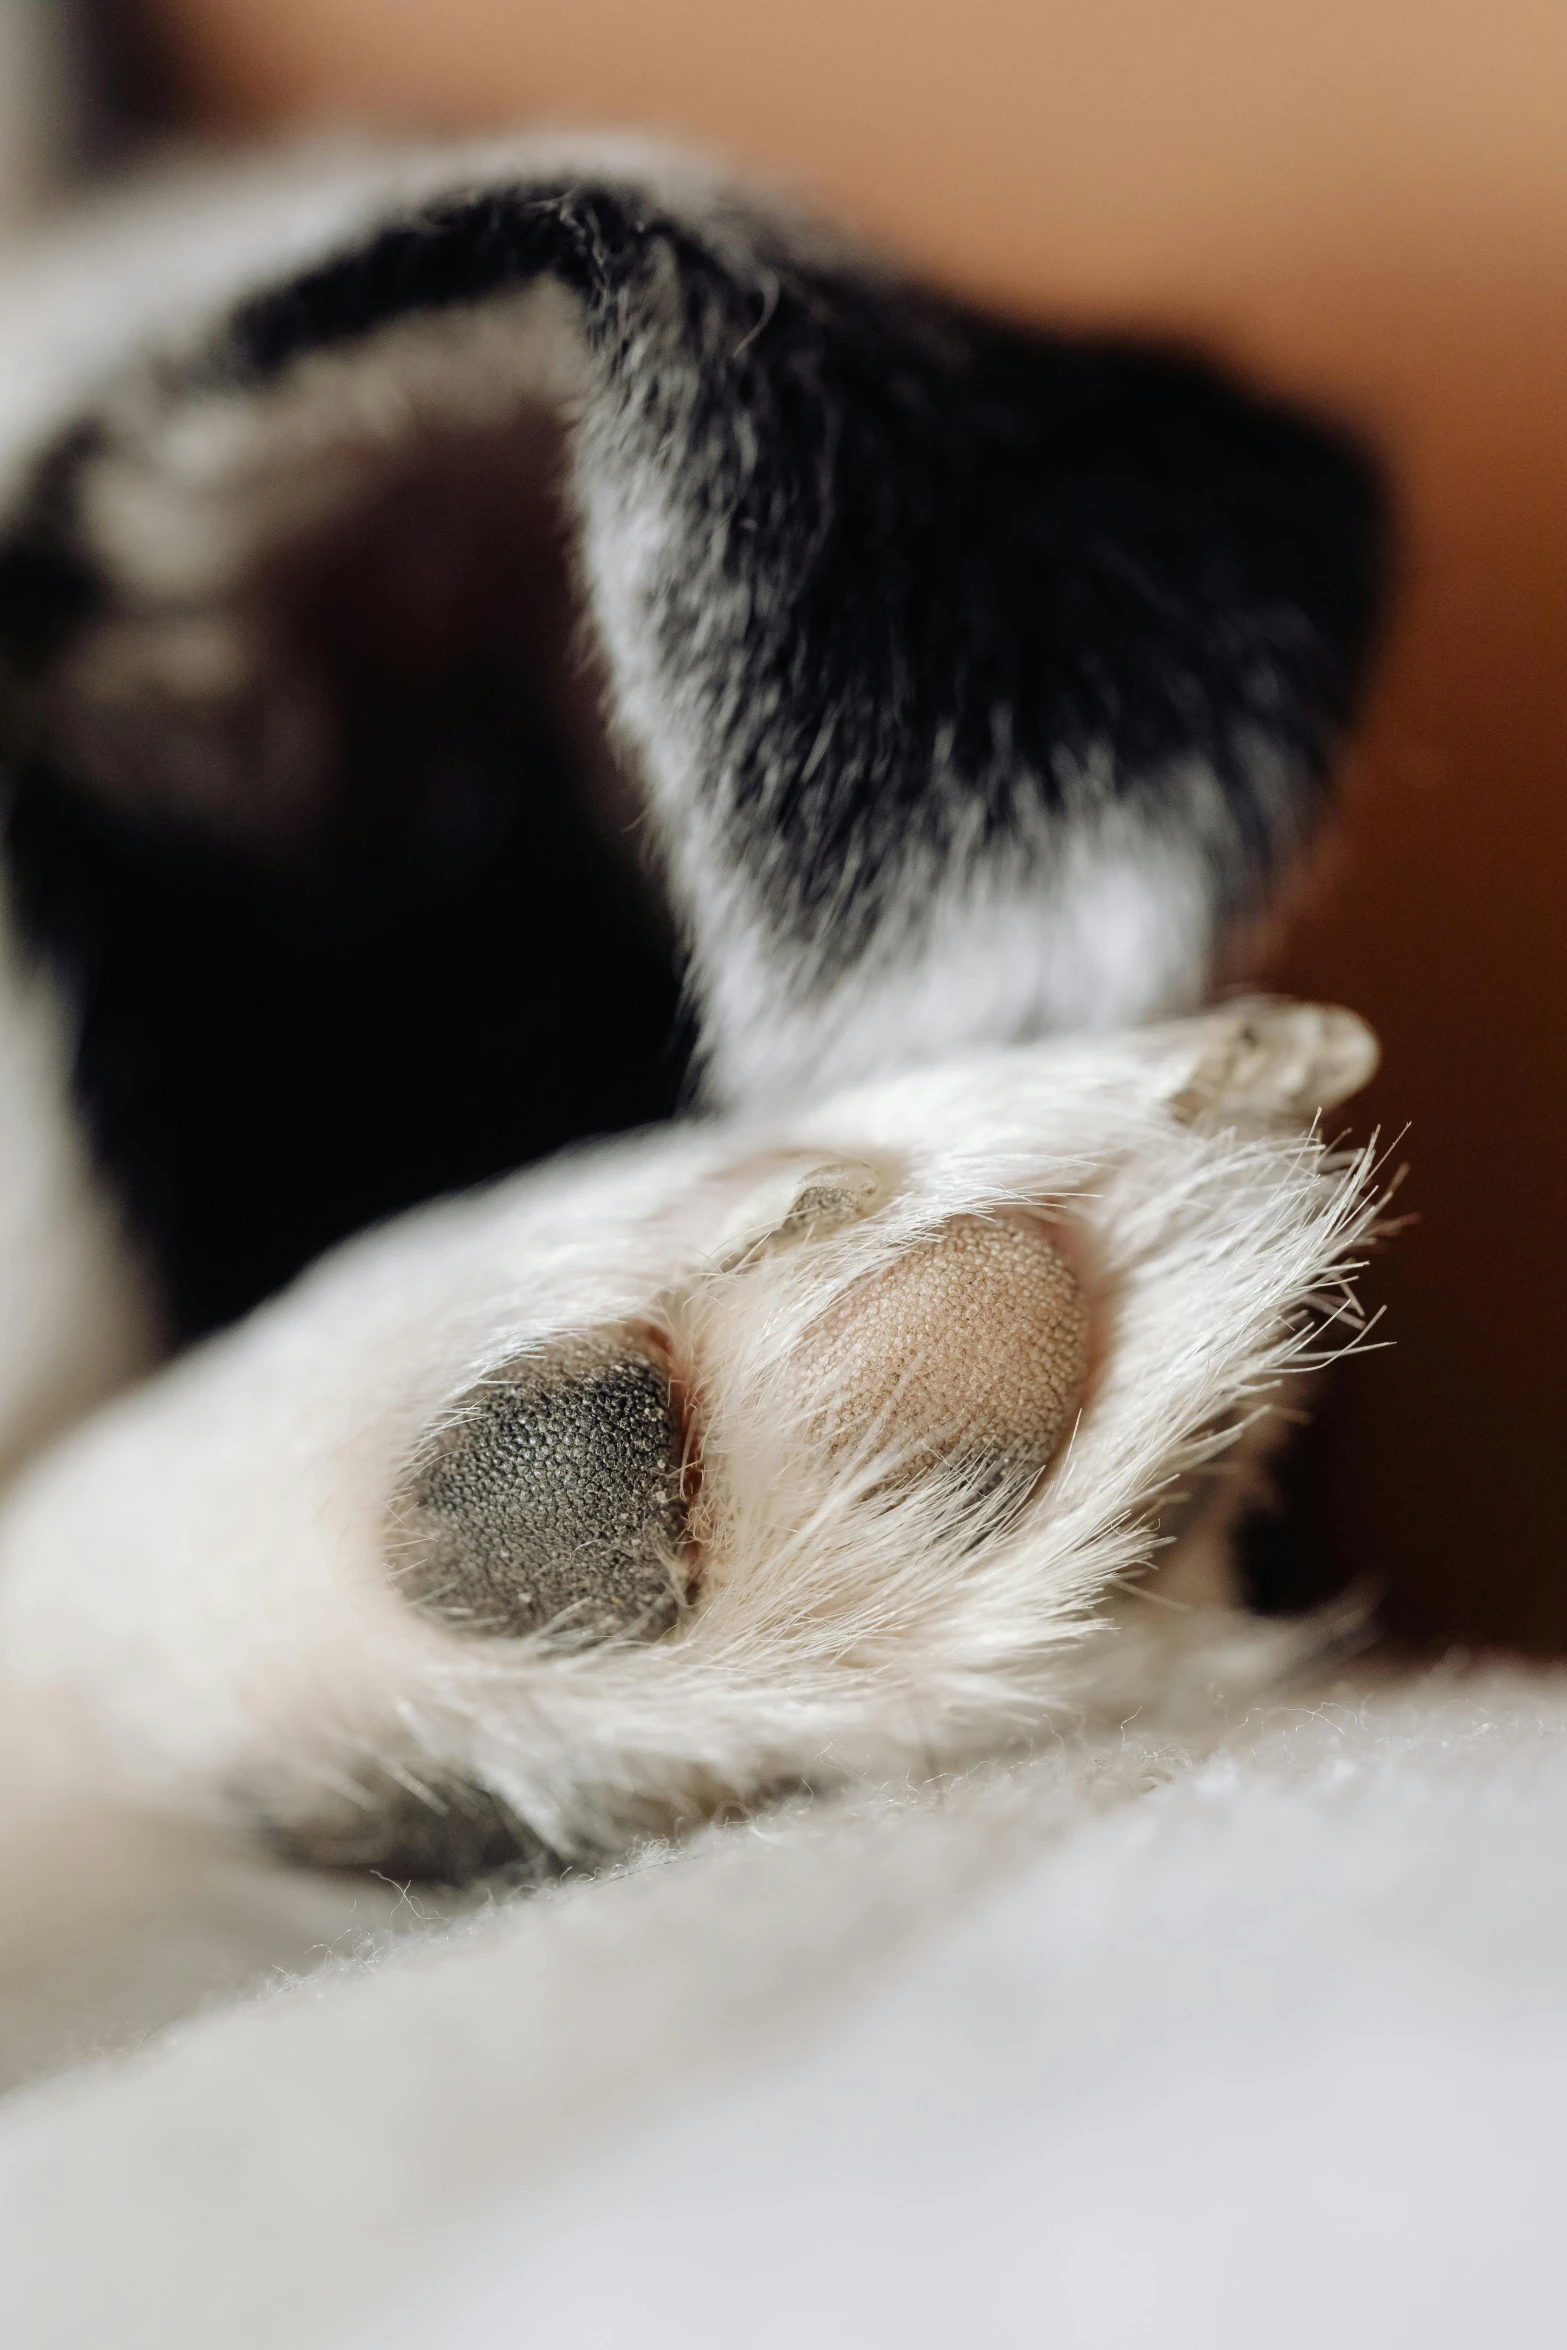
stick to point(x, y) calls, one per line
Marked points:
point(500, 645)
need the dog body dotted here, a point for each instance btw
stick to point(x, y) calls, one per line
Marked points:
point(498, 648)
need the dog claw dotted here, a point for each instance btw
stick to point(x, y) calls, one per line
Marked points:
point(1281, 1060)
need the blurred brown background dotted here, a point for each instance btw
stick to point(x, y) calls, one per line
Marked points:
point(1366, 201)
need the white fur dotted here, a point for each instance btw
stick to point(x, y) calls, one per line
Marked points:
point(1265, 2045)
point(201, 1583)
point(1121, 934)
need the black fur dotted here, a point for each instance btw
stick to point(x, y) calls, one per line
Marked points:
point(935, 576)
point(951, 543)
point(263, 1071)
point(50, 588)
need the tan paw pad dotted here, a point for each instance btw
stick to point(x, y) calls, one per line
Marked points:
point(971, 1348)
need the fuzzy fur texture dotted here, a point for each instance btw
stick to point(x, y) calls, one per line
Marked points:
point(455, 607)
point(910, 695)
point(204, 1581)
point(431, 574)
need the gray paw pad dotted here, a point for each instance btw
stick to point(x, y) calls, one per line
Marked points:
point(450, 1835)
point(553, 1497)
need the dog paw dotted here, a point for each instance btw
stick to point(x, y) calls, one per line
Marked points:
point(556, 1496)
point(713, 1462)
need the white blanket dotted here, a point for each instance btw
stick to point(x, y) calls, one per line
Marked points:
point(1251, 2035)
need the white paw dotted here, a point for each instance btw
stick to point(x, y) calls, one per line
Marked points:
point(692, 1467)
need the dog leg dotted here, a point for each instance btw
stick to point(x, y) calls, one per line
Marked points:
point(686, 1469)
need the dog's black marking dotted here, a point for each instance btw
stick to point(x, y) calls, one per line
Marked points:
point(438, 968)
point(264, 1073)
point(935, 590)
point(50, 586)
point(971, 559)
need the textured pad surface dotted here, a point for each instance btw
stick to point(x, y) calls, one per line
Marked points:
point(555, 1494)
point(972, 1348)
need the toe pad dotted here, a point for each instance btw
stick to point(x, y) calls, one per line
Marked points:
point(971, 1348)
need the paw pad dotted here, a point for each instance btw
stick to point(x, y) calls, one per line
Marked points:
point(971, 1349)
point(551, 1497)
